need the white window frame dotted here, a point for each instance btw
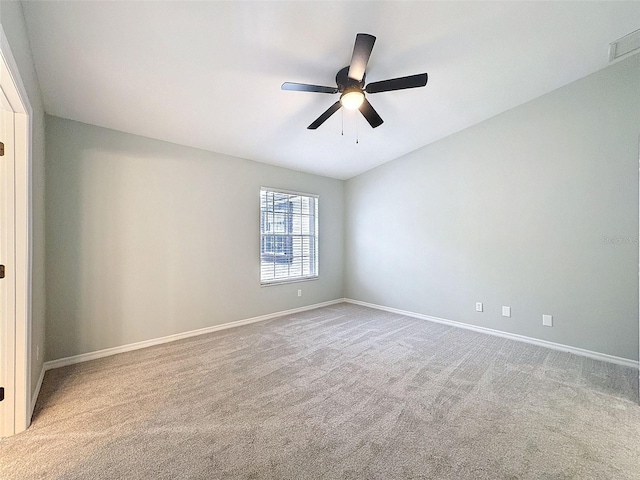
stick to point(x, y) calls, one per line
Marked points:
point(314, 237)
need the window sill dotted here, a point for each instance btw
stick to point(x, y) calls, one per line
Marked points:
point(288, 280)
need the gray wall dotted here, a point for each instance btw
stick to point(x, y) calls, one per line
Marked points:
point(15, 29)
point(147, 239)
point(536, 209)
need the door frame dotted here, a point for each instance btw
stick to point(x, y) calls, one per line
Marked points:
point(17, 417)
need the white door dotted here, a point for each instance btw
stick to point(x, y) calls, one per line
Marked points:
point(7, 259)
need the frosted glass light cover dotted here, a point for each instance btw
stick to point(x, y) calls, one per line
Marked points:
point(352, 100)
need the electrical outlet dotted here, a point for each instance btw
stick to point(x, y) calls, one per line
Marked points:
point(478, 306)
point(547, 320)
point(506, 311)
point(300, 292)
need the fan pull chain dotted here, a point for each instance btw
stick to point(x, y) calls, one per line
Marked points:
point(342, 112)
point(357, 130)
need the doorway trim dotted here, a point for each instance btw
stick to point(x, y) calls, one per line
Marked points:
point(20, 323)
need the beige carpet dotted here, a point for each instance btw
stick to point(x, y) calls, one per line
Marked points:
point(342, 392)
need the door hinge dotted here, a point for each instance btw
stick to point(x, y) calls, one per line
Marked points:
point(1, 149)
point(1, 393)
point(1, 271)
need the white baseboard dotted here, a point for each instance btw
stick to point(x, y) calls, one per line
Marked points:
point(34, 397)
point(512, 336)
point(84, 357)
point(61, 362)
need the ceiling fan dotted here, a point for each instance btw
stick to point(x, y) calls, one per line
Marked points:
point(350, 84)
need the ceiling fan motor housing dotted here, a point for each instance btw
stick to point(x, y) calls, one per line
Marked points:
point(345, 83)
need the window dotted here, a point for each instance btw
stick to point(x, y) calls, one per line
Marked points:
point(288, 236)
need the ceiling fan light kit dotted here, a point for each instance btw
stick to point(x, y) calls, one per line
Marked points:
point(350, 84)
point(352, 99)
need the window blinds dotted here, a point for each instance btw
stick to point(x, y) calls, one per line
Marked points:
point(288, 236)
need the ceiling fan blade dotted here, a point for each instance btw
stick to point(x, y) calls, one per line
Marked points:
point(323, 118)
point(370, 114)
point(303, 87)
point(361, 53)
point(412, 81)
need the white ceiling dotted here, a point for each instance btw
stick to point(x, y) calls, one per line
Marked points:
point(208, 74)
